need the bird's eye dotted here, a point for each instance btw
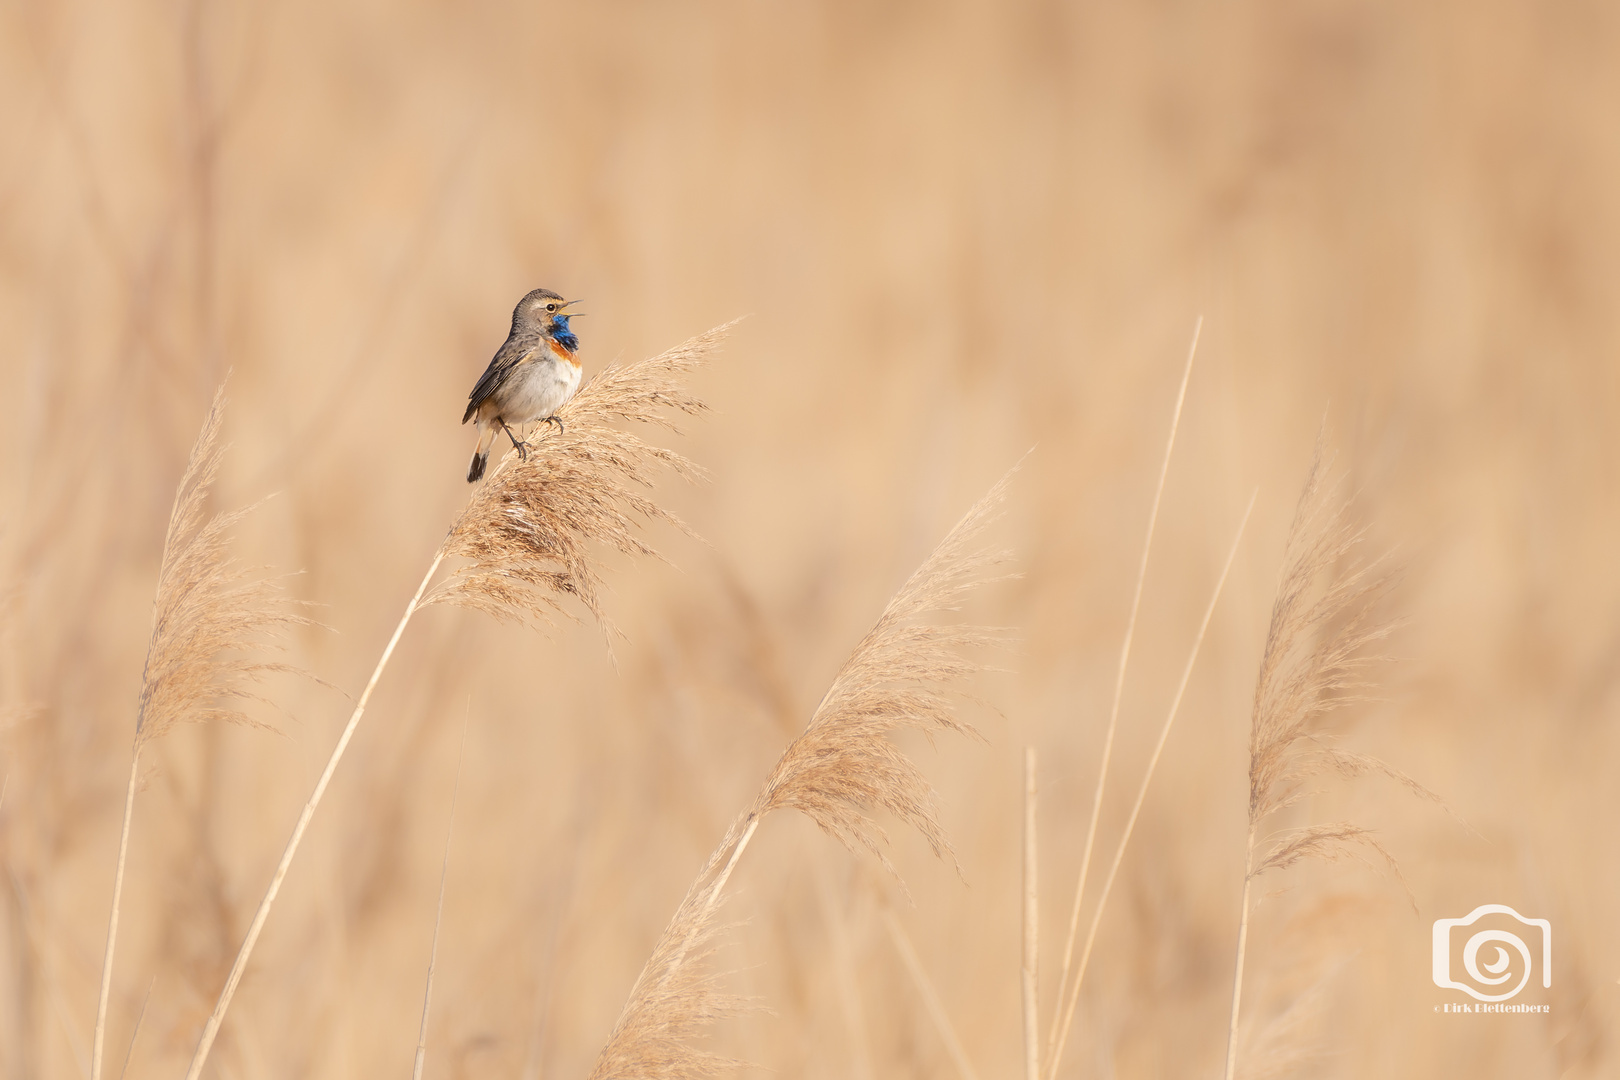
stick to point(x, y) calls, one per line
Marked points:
point(551, 307)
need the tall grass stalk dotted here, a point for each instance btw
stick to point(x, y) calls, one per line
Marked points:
point(1237, 966)
point(1067, 1007)
point(1032, 927)
point(438, 914)
point(211, 1029)
point(1059, 1028)
point(930, 996)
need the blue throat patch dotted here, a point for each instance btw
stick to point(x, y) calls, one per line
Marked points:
point(564, 336)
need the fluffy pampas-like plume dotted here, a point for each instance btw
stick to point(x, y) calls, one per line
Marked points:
point(528, 531)
point(840, 771)
point(208, 609)
point(1314, 663)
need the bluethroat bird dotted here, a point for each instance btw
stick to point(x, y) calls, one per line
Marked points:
point(529, 378)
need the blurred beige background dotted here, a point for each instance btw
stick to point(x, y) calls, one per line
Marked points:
point(959, 230)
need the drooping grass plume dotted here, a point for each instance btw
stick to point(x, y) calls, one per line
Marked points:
point(839, 772)
point(843, 766)
point(209, 610)
point(529, 533)
point(1322, 624)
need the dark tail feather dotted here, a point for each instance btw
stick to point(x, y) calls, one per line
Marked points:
point(475, 471)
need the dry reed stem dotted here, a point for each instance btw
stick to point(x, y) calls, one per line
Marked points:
point(438, 914)
point(843, 961)
point(930, 996)
point(208, 609)
point(1237, 967)
point(1032, 925)
point(1321, 625)
point(140, 1018)
point(1067, 1007)
point(838, 772)
point(528, 531)
point(1058, 1029)
point(210, 1030)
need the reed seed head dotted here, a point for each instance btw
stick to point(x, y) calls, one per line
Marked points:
point(1322, 623)
point(529, 531)
point(843, 767)
point(209, 608)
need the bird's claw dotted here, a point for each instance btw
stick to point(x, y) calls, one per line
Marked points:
point(521, 448)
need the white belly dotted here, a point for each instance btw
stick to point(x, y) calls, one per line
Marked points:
point(537, 390)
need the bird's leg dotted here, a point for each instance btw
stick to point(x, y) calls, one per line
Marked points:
point(554, 420)
point(523, 451)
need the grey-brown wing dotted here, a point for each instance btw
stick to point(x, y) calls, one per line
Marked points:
point(500, 369)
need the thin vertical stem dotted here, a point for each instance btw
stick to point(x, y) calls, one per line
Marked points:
point(211, 1029)
point(140, 1018)
point(438, 916)
point(935, 1007)
point(712, 900)
point(1237, 974)
point(112, 921)
point(1032, 1036)
point(731, 864)
point(1119, 684)
point(1066, 1013)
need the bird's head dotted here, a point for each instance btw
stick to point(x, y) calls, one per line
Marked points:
point(547, 313)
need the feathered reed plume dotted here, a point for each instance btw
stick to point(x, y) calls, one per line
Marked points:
point(1314, 663)
point(529, 532)
point(208, 609)
point(1322, 623)
point(839, 772)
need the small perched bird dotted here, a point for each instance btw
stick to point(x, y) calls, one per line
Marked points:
point(529, 378)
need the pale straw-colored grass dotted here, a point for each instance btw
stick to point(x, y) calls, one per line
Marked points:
point(1068, 994)
point(438, 913)
point(1064, 1019)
